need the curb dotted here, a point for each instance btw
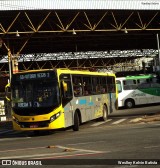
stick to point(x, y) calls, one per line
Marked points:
point(147, 118)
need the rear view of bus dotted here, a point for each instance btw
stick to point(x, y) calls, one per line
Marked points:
point(137, 90)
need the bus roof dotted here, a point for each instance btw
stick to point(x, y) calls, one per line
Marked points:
point(85, 72)
point(137, 77)
point(70, 71)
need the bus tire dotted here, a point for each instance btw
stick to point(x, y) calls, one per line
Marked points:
point(76, 122)
point(129, 103)
point(105, 113)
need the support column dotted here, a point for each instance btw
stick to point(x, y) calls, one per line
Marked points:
point(10, 64)
point(15, 64)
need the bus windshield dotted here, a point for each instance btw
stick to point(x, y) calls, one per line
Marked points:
point(35, 94)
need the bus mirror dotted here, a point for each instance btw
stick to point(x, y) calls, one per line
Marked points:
point(65, 87)
point(8, 92)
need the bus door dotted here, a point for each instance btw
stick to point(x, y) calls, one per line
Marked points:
point(88, 98)
point(96, 98)
point(119, 90)
point(112, 93)
point(113, 102)
point(66, 95)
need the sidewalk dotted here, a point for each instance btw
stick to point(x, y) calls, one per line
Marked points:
point(148, 118)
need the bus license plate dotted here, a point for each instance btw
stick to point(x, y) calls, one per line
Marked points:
point(34, 126)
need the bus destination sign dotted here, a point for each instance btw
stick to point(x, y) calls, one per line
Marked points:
point(30, 76)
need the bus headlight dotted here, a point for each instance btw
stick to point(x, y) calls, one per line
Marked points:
point(55, 116)
point(16, 120)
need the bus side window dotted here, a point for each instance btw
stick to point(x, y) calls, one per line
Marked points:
point(94, 85)
point(111, 84)
point(87, 85)
point(77, 85)
point(125, 85)
point(130, 84)
point(103, 85)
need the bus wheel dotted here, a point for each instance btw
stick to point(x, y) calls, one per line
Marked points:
point(76, 122)
point(129, 103)
point(105, 113)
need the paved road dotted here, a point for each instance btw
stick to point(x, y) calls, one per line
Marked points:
point(117, 139)
point(117, 142)
point(120, 117)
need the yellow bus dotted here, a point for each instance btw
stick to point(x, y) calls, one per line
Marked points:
point(60, 98)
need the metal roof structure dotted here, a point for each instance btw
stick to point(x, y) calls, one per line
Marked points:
point(81, 29)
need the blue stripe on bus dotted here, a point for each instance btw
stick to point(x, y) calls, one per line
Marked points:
point(90, 103)
point(82, 101)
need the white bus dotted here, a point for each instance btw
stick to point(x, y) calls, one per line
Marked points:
point(136, 90)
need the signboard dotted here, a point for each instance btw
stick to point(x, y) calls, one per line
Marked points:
point(2, 111)
point(79, 4)
point(34, 75)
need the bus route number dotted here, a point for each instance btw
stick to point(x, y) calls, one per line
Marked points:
point(42, 75)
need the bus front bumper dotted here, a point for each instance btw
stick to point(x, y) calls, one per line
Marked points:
point(38, 125)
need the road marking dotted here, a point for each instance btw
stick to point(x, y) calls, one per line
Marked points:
point(84, 143)
point(59, 154)
point(152, 147)
point(126, 166)
point(119, 121)
point(100, 123)
point(11, 139)
point(82, 150)
point(157, 124)
point(69, 155)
